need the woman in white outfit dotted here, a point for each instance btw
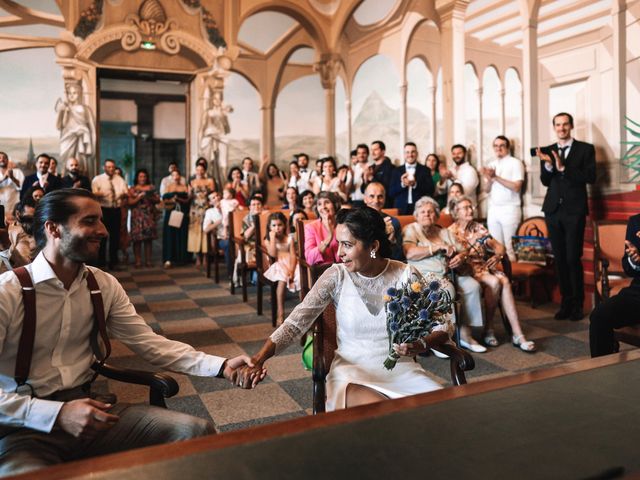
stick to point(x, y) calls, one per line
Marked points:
point(357, 287)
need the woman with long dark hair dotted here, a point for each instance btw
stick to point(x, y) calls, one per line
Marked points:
point(142, 202)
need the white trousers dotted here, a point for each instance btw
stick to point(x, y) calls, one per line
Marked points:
point(503, 222)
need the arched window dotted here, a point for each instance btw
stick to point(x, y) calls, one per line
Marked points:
point(419, 106)
point(491, 112)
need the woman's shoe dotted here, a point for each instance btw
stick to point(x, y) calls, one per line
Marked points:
point(474, 347)
point(523, 344)
point(167, 264)
point(439, 354)
point(490, 339)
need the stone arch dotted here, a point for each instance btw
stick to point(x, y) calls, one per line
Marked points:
point(293, 9)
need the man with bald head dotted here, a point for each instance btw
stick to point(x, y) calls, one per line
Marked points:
point(374, 197)
point(73, 178)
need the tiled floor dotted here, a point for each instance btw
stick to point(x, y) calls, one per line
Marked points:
point(182, 304)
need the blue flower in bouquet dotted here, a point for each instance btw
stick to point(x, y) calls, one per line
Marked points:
point(414, 296)
point(434, 296)
point(434, 285)
point(423, 314)
point(406, 302)
point(392, 292)
point(394, 307)
point(394, 326)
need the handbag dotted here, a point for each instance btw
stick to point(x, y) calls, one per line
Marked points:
point(175, 217)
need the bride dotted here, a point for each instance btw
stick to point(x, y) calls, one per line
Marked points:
point(357, 287)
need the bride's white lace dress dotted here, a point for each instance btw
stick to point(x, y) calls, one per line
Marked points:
point(362, 339)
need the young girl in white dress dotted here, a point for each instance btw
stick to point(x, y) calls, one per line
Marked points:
point(284, 271)
point(357, 287)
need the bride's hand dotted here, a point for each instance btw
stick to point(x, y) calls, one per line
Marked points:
point(411, 349)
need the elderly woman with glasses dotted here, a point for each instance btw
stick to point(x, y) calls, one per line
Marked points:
point(479, 244)
point(434, 251)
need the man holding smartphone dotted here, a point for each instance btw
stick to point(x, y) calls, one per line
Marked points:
point(566, 171)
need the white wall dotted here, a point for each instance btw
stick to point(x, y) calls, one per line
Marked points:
point(169, 120)
point(118, 111)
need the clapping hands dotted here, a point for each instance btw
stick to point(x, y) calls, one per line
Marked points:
point(242, 372)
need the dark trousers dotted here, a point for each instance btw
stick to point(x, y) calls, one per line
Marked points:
point(619, 311)
point(566, 232)
point(111, 219)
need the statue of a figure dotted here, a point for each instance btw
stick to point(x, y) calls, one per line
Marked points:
point(213, 126)
point(77, 127)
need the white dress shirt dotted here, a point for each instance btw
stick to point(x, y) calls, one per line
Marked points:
point(42, 178)
point(62, 355)
point(410, 169)
point(509, 168)
point(9, 191)
point(467, 176)
point(307, 179)
point(107, 196)
point(358, 180)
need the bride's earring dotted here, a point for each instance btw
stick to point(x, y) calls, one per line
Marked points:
point(373, 254)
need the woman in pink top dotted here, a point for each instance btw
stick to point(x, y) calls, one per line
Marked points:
point(320, 244)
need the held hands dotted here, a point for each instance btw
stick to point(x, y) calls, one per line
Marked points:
point(242, 372)
point(85, 418)
point(631, 251)
point(489, 173)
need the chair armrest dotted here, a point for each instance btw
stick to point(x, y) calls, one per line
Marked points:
point(460, 362)
point(161, 385)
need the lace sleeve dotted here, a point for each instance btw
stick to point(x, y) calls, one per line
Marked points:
point(322, 293)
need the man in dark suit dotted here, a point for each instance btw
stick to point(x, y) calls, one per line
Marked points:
point(566, 172)
point(620, 310)
point(410, 182)
point(42, 177)
point(73, 179)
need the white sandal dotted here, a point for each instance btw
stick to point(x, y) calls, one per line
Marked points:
point(523, 344)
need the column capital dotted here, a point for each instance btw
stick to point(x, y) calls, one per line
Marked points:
point(451, 9)
point(328, 68)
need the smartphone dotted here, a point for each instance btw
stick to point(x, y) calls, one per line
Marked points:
point(546, 150)
point(2, 224)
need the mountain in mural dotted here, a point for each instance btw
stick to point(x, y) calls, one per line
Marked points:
point(375, 121)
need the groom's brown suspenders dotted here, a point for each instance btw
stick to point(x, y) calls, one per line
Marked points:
point(27, 338)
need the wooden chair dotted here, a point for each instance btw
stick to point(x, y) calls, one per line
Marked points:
point(405, 220)
point(609, 276)
point(526, 274)
point(390, 211)
point(213, 255)
point(161, 385)
point(608, 250)
point(263, 262)
point(307, 272)
point(445, 220)
point(325, 345)
point(236, 248)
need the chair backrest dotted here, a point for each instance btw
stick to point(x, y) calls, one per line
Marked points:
point(609, 237)
point(235, 222)
point(445, 220)
point(390, 211)
point(405, 220)
point(533, 227)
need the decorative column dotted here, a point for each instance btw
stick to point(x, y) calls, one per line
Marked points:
point(619, 92)
point(327, 68)
point(503, 115)
point(403, 114)
point(431, 98)
point(453, 56)
point(80, 77)
point(530, 78)
point(347, 105)
point(267, 138)
point(522, 143)
point(480, 159)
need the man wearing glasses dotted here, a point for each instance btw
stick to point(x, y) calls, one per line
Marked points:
point(503, 179)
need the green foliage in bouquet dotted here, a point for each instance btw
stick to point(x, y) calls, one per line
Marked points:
point(413, 310)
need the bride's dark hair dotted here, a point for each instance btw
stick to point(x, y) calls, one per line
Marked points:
point(367, 225)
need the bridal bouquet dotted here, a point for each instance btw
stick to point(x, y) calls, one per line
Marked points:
point(413, 310)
